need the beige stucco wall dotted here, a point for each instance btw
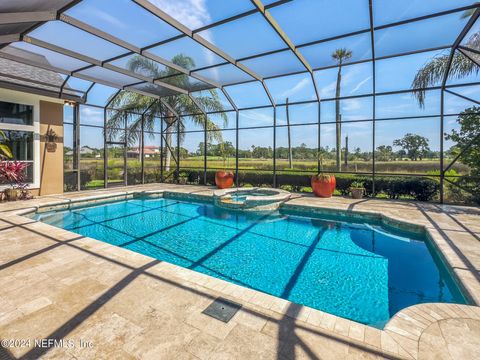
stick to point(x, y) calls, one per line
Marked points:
point(51, 162)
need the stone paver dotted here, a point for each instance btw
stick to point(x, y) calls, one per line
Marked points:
point(59, 285)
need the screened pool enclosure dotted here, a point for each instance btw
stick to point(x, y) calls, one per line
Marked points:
point(383, 92)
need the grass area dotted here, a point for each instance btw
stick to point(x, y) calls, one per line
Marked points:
point(403, 166)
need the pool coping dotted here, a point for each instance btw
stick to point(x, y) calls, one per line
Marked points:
point(405, 327)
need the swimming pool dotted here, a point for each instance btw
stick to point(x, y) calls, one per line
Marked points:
point(353, 269)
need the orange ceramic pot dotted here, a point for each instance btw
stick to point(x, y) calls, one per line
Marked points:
point(323, 185)
point(224, 179)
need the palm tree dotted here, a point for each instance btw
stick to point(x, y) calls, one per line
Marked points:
point(128, 102)
point(468, 13)
point(340, 56)
point(433, 72)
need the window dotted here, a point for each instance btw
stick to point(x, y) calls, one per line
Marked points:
point(17, 114)
point(21, 145)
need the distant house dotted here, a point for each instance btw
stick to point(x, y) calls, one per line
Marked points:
point(89, 152)
point(86, 150)
point(149, 151)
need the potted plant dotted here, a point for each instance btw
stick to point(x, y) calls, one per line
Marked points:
point(323, 185)
point(224, 179)
point(182, 178)
point(24, 192)
point(357, 189)
point(13, 173)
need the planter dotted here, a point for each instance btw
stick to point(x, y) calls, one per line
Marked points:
point(11, 194)
point(224, 179)
point(182, 181)
point(323, 185)
point(357, 193)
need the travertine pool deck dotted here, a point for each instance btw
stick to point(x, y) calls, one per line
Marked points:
point(124, 305)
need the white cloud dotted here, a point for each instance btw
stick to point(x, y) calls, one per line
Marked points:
point(258, 116)
point(191, 13)
point(299, 86)
point(92, 114)
point(106, 17)
point(351, 104)
point(360, 84)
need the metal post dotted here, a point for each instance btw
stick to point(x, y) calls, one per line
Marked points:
point(161, 146)
point(274, 146)
point(125, 170)
point(442, 172)
point(205, 147)
point(289, 136)
point(372, 38)
point(319, 165)
point(473, 19)
point(237, 115)
point(142, 151)
point(178, 149)
point(76, 143)
point(105, 153)
point(345, 160)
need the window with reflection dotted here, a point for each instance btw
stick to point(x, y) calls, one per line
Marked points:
point(17, 114)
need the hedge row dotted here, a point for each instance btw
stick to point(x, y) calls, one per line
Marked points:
point(422, 189)
point(418, 188)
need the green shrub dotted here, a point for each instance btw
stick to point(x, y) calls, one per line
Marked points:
point(306, 189)
point(286, 187)
point(357, 185)
point(392, 187)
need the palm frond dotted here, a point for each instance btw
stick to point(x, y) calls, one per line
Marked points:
point(130, 102)
point(147, 67)
point(467, 13)
point(433, 72)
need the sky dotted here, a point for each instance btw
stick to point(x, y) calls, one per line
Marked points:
point(303, 21)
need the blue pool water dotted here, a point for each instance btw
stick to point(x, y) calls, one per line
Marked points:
point(358, 271)
point(241, 196)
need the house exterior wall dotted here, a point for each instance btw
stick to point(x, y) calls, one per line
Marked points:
point(47, 166)
point(51, 153)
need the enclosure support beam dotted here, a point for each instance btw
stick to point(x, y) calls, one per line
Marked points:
point(177, 117)
point(205, 138)
point(38, 23)
point(473, 19)
point(161, 142)
point(374, 82)
point(319, 144)
point(105, 142)
point(463, 97)
point(143, 138)
point(237, 115)
point(26, 17)
point(186, 31)
point(95, 62)
point(237, 175)
point(442, 122)
point(142, 150)
point(114, 40)
point(105, 152)
point(274, 106)
point(178, 150)
point(76, 143)
point(274, 24)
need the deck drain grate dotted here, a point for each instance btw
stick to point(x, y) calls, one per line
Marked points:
point(222, 309)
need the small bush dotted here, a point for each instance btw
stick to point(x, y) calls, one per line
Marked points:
point(286, 187)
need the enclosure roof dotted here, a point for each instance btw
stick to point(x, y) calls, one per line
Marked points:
point(161, 48)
